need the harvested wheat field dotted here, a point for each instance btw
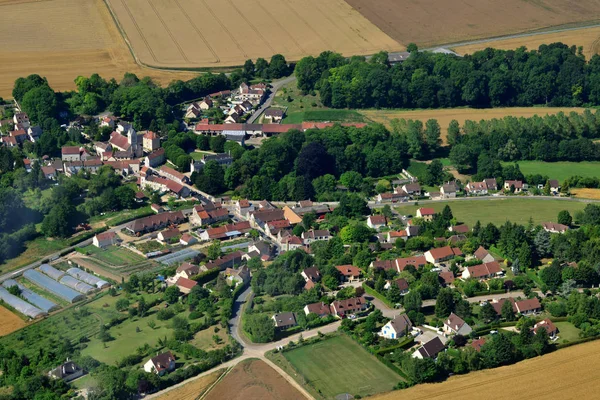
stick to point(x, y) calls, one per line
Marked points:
point(253, 380)
point(209, 33)
point(588, 38)
point(434, 22)
point(571, 373)
point(9, 322)
point(62, 39)
point(444, 116)
point(194, 389)
point(592, 194)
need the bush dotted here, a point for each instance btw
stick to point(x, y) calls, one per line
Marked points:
point(195, 315)
point(165, 314)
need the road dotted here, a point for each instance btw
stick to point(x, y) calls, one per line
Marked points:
point(267, 103)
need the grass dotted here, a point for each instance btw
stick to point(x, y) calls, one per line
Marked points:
point(115, 218)
point(498, 211)
point(340, 365)
point(36, 249)
point(567, 332)
point(204, 339)
point(197, 155)
point(560, 170)
point(113, 255)
point(323, 115)
point(417, 168)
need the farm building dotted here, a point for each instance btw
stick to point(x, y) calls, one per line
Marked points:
point(20, 305)
point(87, 278)
point(40, 302)
point(73, 283)
point(53, 286)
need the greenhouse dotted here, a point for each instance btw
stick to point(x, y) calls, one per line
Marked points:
point(87, 278)
point(76, 284)
point(20, 305)
point(40, 302)
point(51, 271)
point(52, 286)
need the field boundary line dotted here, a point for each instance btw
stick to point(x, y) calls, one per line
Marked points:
point(257, 31)
point(193, 24)
point(237, 44)
point(162, 21)
point(291, 8)
point(266, 11)
point(211, 387)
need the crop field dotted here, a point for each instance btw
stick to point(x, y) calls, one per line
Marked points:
point(592, 194)
point(253, 379)
point(588, 38)
point(444, 116)
point(62, 39)
point(498, 211)
point(9, 322)
point(340, 365)
point(560, 170)
point(114, 255)
point(209, 33)
point(569, 373)
point(433, 22)
point(194, 389)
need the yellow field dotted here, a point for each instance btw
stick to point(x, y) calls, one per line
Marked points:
point(204, 33)
point(444, 116)
point(593, 194)
point(9, 322)
point(193, 389)
point(589, 38)
point(62, 39)
point(565, 374)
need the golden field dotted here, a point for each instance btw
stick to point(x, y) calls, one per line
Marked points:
point(588, 38)
point(212, 33)
point(9, 322)
point(194, 389)
point(592, 194)
point(434, 22)
point(62, 39)
point(570, 373)
point(444, 116)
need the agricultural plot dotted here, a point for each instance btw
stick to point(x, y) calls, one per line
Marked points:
point(560, 170)
point(114, 255)
point(593, 194)
point(339, 365)
point(212, 33)
point(9, 322)
point(428, 22)
point(498, 211)
point(194, 389)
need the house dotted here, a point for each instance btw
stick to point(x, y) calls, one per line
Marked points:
point(314, 235)
point(320, 309)
point(400, 264)
point(518, 185)
point(274, 115)
point(554, 228)
point(70, 153)
point(311, 274)
point(476, 188)
point(261, 217)
point(454, 239)
point(441, 254)
point(154, 222)
point(275, 228)
point(49, 172)
point(202, 215)
point(342, 308)
point(168, 235)
point(483, 271)
point(140, 197)
point(185, 285)
point(483, 255)
point(376, 221)
point(478, 344)
point(392, 197)
point(105, 239)
point(232, 118)
point(455, 325)
point(157, 208)
point(227, 261)
point(290, 215)
point(226, 231)
point(150, 141)
point(459, 229)
point(284, 320)
point(243, 207)
point(554, 185)
point(412, 189)
point(187, 239)
point(548, 326)
point(392, 236)
point(156, 158)
point(401, 283)
point(260, 249)
point(174, 175)
point(161, 364)
point(349, 273)
point(291, 242)
point(237, 276)
point(9, 141)
point(67, 371)
point(397, 327)
point(426, 213)
point(108, 121)
point(448, 190)
point(528, 306)
point(21, 118)
point(429, 349)
point(447, 278)
point(187, 270)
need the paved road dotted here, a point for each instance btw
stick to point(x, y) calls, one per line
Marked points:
point(267, 103)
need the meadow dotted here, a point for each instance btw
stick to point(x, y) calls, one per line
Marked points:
point(498, 211)
point(560, 170)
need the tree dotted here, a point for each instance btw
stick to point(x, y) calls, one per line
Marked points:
point(217, 143)
point(525, 257)
point(214, 250)
point(142, 307)
point(172, 294)
point(278, 67)
point(432, 136)
point(541, 241)
point(507, 311)
point(434, 173)
point(60, 220)
point(444, 303)
point(487, 312)
point(351, 205)
point(356, 232)
point(122, 304)
point(564, 217)
point(352, 180)
point(393, 294)
point(260, 326)
point(211, 178)
point(313, 161)
point(413, 301)
point(552, 276)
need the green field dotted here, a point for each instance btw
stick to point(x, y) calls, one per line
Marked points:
point(566, 332)
point(498, 211)
point(113, 255)
point(560, 170)
point(323, 115)
point(340, 365)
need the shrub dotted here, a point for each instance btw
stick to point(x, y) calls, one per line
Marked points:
point(165, 314)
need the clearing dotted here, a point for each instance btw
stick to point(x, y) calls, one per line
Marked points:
point(9, 322)
point(37, 39)
point(593, 194)
point(434, 22)
point(498, 211)
point(214, 33)
point(560, 170)
point(194, 389)
point(444, 116)
point(340, 365)
point(254, 379)
point(588, 38)
point(569, 373)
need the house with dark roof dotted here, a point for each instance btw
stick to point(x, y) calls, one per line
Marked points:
point(156, 158)
point(343, 308)
point(284, 320)
point(160, 364)
point(105, 239)
point(518, 186)
point(311, 274)
point(397, 327)
point(448, 190)
point(459, 229)
point(154, 222)
point(261, 217)
point(315, 235)
point(447, 278)
point(429, 349)
point(168, 235)
point(321, 309)
point(66, 372)
point(187, 270)
point(230, 260)
point(400, 283)
point(274, 115)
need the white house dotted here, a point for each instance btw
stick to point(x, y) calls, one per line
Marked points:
point(376, 221)
point(161, 364)
point(105, 239)
point(396, 328)
point(455, 325)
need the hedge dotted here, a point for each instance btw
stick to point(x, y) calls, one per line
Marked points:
point(407, 342)
point(377, 295)
point(207, 276)
point(485, 293)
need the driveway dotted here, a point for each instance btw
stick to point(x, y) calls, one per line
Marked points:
point(267, 103)
point(428, 335)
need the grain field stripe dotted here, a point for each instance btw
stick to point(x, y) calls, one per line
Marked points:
point(272, 18)
point(162, 21)
point(193, 24)
point(260, 35)
point(126, 7)
point(237, 44)
point(291, 8)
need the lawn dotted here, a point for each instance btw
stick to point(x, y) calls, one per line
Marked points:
point(323, 115)
point(113, 255)
point(340, 365)
point(567, 332)
point(560, 170)
point(498, 211)
point(198, 155)
point(204, 339)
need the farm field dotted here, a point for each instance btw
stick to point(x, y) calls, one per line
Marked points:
point(89, 43)
point(340, 365)
point(113, 255)
point(569, 373)
point(498, 211)
point(9, 322)
point(560, 170)
point(588, 38)
point(253, 379)
point(593, 194)
point(472, 19)
point(213, 33)
point(193, 389)
point(444, 116)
